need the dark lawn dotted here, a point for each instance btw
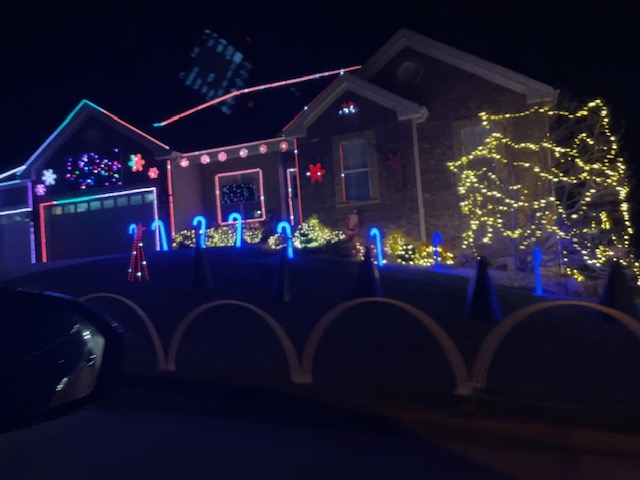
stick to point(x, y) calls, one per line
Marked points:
point(372, 353)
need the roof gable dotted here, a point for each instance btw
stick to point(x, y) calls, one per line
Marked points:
point(405, 109)
point(533, 90)
point(84, 110)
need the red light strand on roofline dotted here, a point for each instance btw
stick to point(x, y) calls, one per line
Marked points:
point(253, 89)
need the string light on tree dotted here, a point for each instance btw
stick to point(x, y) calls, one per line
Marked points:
point(138, 265)
point(571, 185)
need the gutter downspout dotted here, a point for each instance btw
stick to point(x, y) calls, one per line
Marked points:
point(416, 160)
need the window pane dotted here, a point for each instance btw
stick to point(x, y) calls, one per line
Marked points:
point(136, 200)
point(69, 209)
point(354, 155)
point(108, 203)
point(122, 201)
point(82, 207)
point(95, 205)
point(357, 186)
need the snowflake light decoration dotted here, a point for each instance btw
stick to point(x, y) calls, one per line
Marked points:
point(49, 177)
point(40, 189)
point(136, 162)
point(316, 172)
point(153, 172)
point(184, 162)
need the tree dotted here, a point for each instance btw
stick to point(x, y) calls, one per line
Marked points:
point(565, 190)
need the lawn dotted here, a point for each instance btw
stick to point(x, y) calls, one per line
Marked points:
point(373, 352)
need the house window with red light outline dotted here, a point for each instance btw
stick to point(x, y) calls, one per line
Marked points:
point(240, 192)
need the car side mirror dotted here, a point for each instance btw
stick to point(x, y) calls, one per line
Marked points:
point(56, 355)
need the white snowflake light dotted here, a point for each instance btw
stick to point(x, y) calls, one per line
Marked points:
point(49, 177)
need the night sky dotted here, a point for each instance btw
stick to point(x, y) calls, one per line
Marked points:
point(126, 59)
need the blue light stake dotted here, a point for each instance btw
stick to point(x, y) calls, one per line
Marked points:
point(157, 224)
point(199, 219)
point(375, 232)
point(537, 258)
point(437, 240)
point(236, 217)
point(285, 227)
point(133, 229)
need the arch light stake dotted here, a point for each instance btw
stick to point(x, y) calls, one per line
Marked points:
point(375, 233)
point(437, 240)
point(285, 228)
point(537, 258)
point(199, 219)
point(158, 225)
point(236, 217)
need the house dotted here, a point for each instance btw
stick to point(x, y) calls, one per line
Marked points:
point(385, 133)
point(375, 143)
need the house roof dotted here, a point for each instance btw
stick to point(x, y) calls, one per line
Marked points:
point(405, 109)
point(74, 120)
point(533, 90)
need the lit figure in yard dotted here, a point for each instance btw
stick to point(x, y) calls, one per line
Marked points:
point(236, 217)
point(353, 224)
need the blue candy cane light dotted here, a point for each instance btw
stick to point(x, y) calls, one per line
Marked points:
point(285, 228)
point(157, 224)
point(236, 217)
point(203, 227)
point(374, 232)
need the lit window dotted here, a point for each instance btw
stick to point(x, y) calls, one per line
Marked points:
point(149, 197)
point(122, 201)
point(240, 192)
point(69, 209)
point(109, 203)
point(136, 200)
point(82, 207)
point(56, 210)
point(356, 183)
point(95, 205)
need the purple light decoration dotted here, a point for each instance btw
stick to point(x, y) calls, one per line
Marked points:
point(437, 240)
point(537, 258)
point(375, 233)
point(203, 227)
point(157, 224)
point(40, 189)
point(236, 217)
point(285, 228)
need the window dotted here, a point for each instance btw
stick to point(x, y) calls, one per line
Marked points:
point(149, 197)
point(473, 137)
point(356, 181)
point(136, 200)
point(82, 207)
point(240, 192)
point(56, 210)
point(69, 209)
point(122, 201)
point(108, 203)
point(95, 205)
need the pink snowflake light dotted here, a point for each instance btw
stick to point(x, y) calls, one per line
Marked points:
point(184, 162)
point(40, 189)
point(153, 172)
